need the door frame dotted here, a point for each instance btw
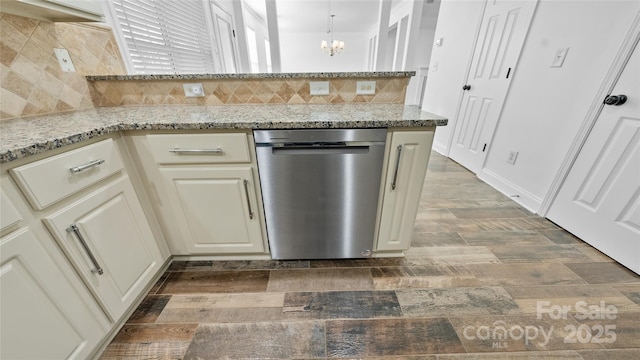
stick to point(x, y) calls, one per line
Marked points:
point(631, 40)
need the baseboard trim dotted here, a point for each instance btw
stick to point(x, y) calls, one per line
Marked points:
point(516, 193)
point(439, 148)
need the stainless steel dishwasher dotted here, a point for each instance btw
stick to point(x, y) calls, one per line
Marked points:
point(320, 191)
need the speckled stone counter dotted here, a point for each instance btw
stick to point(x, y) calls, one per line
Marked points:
point(315, 75)
point(29, 136)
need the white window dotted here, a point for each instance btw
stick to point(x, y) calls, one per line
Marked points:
point(252, 46)
point(164, 36)
point(267, 52)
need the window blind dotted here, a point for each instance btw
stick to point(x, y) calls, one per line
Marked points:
point(165, 36)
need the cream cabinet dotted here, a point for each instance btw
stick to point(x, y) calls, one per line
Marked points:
point(86, 201)
point(215, 209)
point(406, 169)
point(109, 240)
point(47, 313)
point(206, 192)
point(56, 10)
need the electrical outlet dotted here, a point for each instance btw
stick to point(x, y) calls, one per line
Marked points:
point(319, 87)
point(365, 87)
point(64, 59)
point(513, 155)
point(193, 90)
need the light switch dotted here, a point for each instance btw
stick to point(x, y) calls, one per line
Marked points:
point(319, 87)
point(64, 59)
point(558, 59)
point(365, 87)
point(439, 42)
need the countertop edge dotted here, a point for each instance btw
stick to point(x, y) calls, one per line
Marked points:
point(316, 75)
point(52, 144)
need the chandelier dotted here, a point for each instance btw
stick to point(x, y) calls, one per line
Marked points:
point(332, 47)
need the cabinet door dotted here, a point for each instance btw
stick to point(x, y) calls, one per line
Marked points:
point(215, 210)
point(117, 239)
point(47, 313)
point(407, 166)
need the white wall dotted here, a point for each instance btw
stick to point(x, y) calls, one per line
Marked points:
point(545, 106)
point(301, 52)
point(457, 25)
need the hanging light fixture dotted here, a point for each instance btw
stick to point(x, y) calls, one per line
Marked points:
point(332, 47)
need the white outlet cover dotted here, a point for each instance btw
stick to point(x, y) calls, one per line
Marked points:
point(64, 59)
point(193, 90)
point(559, 57)
point(319, 87)
point(365, 87)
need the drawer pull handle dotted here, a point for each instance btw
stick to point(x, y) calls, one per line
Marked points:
point(74, 229)
point(246, 191)
point(197, 151)
point(89, 165)
point(395, 172)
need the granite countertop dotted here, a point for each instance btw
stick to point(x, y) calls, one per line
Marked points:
point(317, 75)
point(29, 136)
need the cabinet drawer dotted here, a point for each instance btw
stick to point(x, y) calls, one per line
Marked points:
point(47, 181)
point(199, 148)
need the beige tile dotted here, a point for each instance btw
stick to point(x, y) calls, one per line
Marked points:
point(12, 104)
point(388, 337)
point(320, 279)
point(466, 301)
point(278, 340)
point(525, 274)
point(422, 239)
point(149, 350)
point(224, 301)
point(450, 255)
point(7, 54)
point(604, 273)
point(421, 277)
point(538, 253)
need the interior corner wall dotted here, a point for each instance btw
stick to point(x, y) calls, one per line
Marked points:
point(457, 25)
point(301, 52)
point(546, 106)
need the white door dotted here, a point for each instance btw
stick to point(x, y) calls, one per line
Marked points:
point(600, 200)
point(502, 34)
point(225, 35)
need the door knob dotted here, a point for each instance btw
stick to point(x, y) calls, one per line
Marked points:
point(466, 87)
point(615, 99)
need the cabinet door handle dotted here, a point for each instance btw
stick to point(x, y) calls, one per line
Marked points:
point(197, 151)
point(395, 171)
point(83, 167)
point(246, 191)
point(74, 229)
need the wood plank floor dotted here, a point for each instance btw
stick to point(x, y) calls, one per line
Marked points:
point(484, 279)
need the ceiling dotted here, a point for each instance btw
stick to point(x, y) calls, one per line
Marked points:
point(313, 15)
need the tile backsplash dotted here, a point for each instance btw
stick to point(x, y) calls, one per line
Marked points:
point(32, 82)
point(244, 91)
